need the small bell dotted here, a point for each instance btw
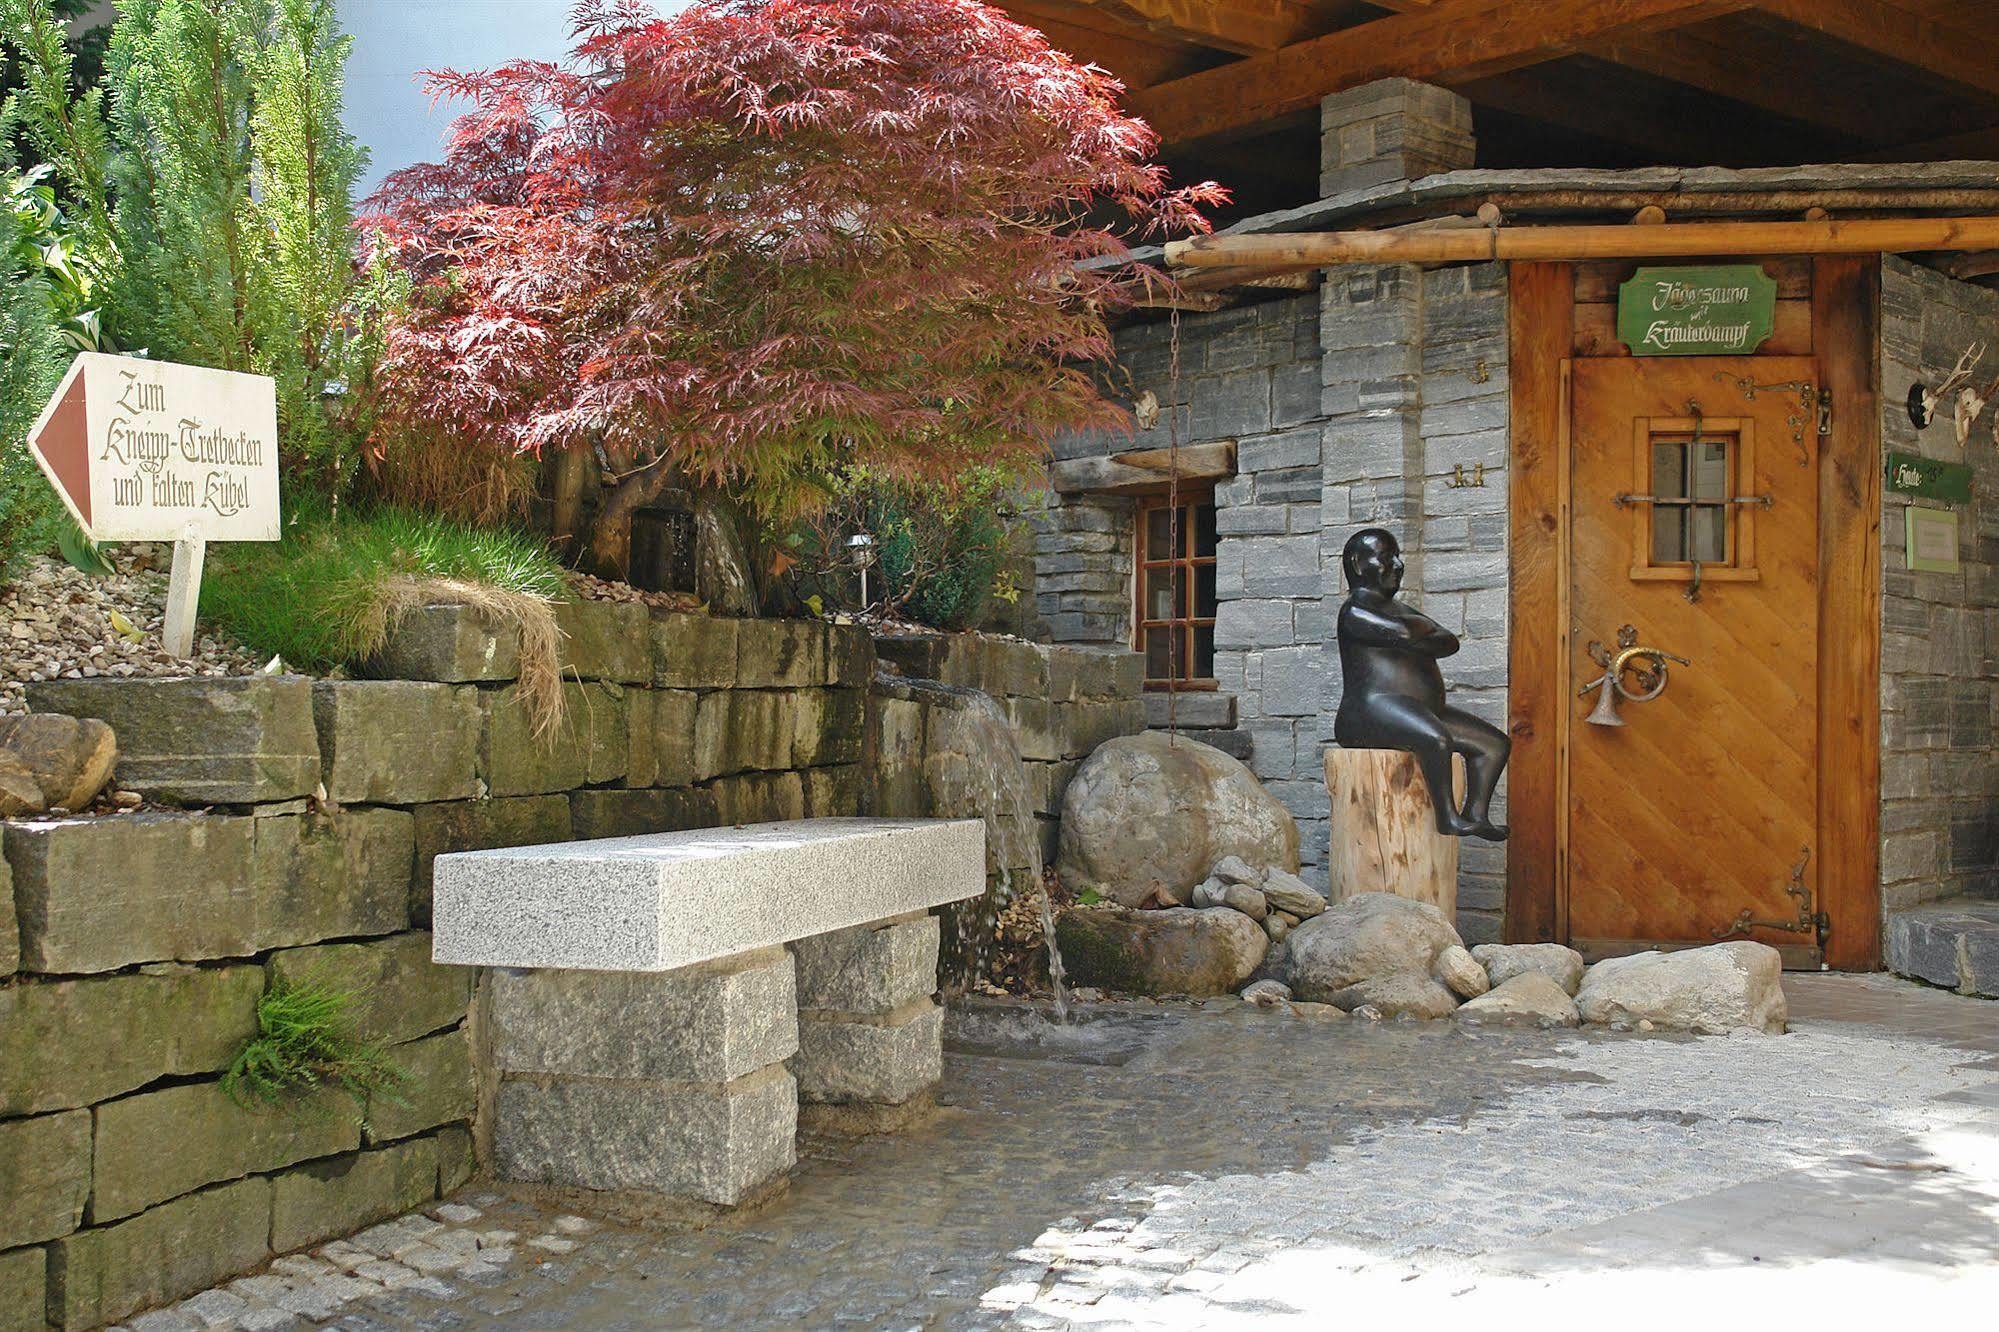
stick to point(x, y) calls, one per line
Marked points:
point(1605, 711)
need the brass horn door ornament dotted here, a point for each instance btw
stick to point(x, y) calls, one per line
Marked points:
point(1650, 680)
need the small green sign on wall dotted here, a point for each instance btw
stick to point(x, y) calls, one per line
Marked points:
point(1708, 310)
point(1931, 478)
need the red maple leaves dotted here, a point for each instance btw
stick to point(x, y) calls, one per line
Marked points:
point(764, 238)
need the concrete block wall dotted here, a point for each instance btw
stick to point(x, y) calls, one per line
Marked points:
point(1939, 631)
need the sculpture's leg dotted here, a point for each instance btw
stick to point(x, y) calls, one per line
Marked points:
point(1395, 722)
point(1485, 748)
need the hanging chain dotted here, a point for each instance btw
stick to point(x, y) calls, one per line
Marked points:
point(1182, 651)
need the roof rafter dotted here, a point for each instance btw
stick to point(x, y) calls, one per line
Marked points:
point(1451, 40)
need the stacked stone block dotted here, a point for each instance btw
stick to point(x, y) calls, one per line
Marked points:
point(870, 1037)
point(145, 944)
point(1391, 131)
point(1939, 631)
point(667, 1083)
point(1060, 701)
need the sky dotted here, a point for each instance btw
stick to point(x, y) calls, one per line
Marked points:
point(387, 108)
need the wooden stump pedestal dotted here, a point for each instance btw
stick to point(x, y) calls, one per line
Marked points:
point(1384, 836)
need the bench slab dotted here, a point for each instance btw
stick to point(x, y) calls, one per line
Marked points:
point(662, 901)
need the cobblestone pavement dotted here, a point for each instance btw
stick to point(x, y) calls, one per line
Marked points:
point(1155, 1167)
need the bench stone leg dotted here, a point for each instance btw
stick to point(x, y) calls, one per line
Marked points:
point(670, 1085)
point(870, 1038)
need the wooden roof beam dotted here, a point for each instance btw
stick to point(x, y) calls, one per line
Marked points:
point(1450, 41)
point(1897, 235)
point(1899, 34)
point(1242, 26)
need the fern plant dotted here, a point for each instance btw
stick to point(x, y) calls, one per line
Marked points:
point(305, 1042)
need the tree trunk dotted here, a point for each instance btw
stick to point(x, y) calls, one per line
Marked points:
point(566, 472)
point(610, 551)
point(1384, 836)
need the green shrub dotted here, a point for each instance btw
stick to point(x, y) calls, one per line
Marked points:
point(940, 553)
point(324, 595)
point(32, 357)
point(305, 1042)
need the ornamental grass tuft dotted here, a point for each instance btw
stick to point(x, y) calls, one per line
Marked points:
point(306, 1043)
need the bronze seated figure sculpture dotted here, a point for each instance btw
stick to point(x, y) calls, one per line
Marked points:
point(1393, 696)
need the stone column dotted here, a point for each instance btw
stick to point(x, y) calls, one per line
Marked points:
point(629, 1084)
point(1391, 130)
point(870, 1037)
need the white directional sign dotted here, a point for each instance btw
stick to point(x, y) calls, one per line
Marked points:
point(147, 450)
point(155, 451)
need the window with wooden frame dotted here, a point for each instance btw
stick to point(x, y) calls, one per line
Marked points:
point(1692, 520)
point(1173, 616)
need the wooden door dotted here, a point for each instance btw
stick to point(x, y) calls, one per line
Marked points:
point(1694, 519)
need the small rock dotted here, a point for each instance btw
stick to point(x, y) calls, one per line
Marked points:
point(574, 1225)
point(496, 1239)
point(1502, 962)
point(458, 1214)
point(266, 1319)
point(1233, 869)
point(1645, 1024)
point(430, 1260)
point(553, 1244)
point(1530, 998)
point(1208, 893)
point(162, 1320)
point(1087, 994)
point(393, 1276)
point(1454, 967)
point(71, 757)
point(1288, 893)
point(1249, 901)
point(301, 1265)
point(20, 793)
point(496, 1255)
point(1277, 926)
point(1266, 993)
point(1368, 1011)
point(1316, 1012)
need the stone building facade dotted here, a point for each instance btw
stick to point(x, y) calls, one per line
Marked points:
point(1382, 395)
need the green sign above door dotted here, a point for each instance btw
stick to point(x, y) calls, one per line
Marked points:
point(1710, 310)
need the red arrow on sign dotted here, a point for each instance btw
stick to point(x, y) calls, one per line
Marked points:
point(60, 442)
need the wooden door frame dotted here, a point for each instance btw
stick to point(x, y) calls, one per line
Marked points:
point(1845, 340)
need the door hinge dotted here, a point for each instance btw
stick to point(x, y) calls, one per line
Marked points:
point(1815, 923)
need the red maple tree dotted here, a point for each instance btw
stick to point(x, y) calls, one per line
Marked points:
point(757, 240)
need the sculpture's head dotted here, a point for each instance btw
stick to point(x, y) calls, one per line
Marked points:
point(1373, 559)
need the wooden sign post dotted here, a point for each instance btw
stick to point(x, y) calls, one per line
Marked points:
point(155, 451)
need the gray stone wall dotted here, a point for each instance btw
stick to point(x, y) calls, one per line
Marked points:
point(1349, 407)
point(1939, 631)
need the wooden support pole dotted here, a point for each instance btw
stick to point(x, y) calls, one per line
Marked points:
point(1887, 235)
point(1383, 836)
point(184, 593)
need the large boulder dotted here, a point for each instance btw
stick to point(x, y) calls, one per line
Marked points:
point(1530, 998)
point(1178, 951)
point(71, 757)
point(1374, 948)
point(1559, 963)
point(1150, 812)
point(1720, 988)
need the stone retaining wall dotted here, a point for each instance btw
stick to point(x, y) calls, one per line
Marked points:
point(134, 948)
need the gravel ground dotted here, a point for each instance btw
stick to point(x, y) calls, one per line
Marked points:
point(55, 623)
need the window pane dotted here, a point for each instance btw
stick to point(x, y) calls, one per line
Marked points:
point(1158, 523)
point(1669, 534)
point(1204, 529)
point(1669, 469)
point(1204, 653)
point(1708, 541)
point(1711, 470)
point(1162, 661)
point(1204, 591)
point(1162, 594)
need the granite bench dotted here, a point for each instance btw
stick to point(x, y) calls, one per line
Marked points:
point(658, 1007)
